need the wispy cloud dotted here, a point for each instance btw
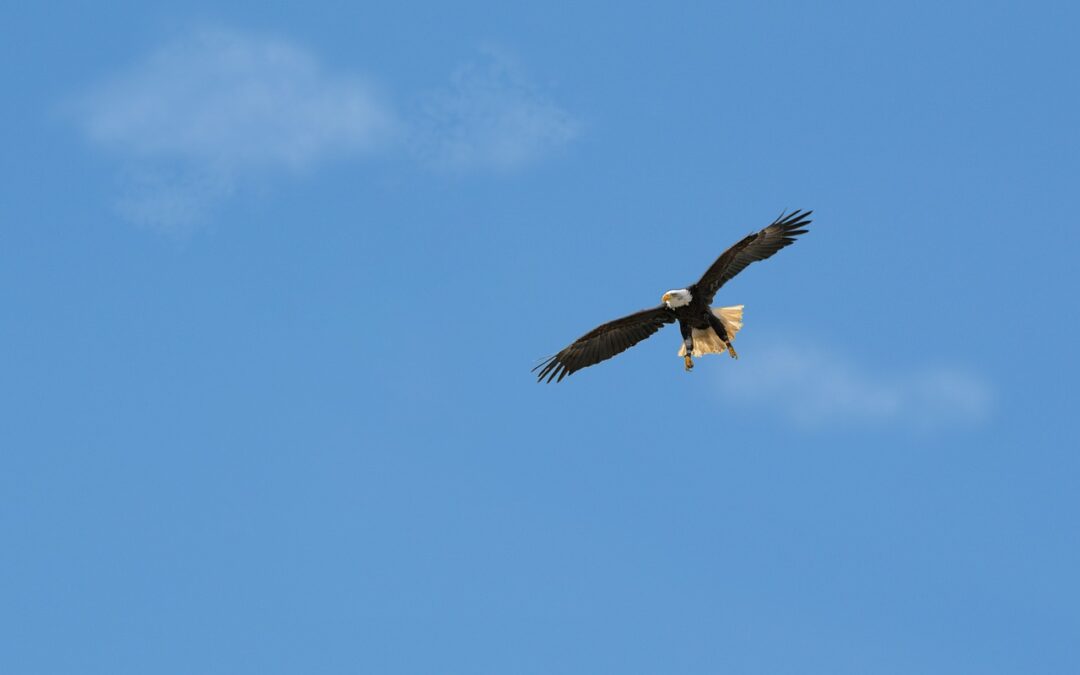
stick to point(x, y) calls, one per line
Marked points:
point(813, 388)
point(200, 116)
point(202, 113)
point(173, 199)
point(490, 116)
point(234, 102)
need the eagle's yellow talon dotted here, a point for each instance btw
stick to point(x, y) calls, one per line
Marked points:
point(731, 350)
point(689, 363)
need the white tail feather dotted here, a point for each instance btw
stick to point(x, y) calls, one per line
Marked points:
point(707, 341)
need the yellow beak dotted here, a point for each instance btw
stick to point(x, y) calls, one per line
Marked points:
point(667, 296)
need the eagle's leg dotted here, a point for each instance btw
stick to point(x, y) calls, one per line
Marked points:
point(721, 332)
point(688, 344)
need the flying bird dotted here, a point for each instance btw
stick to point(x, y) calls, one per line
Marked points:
point(704, 330)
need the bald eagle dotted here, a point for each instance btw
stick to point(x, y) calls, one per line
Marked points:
point(704, 330)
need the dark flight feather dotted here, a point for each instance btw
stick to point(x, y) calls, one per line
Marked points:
point(757, 246)
point(603, 342)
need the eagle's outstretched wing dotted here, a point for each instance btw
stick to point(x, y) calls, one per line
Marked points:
point(603, 342)
point(757, 246)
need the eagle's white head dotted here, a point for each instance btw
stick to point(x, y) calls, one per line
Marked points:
point(679, 298)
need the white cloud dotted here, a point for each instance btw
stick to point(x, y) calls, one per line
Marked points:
point(201, 117)
point(234, 102)
point(204, 115)
point(490, 117)
point(813, 388)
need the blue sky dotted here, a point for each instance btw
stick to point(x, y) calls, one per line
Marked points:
point(272, 279)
